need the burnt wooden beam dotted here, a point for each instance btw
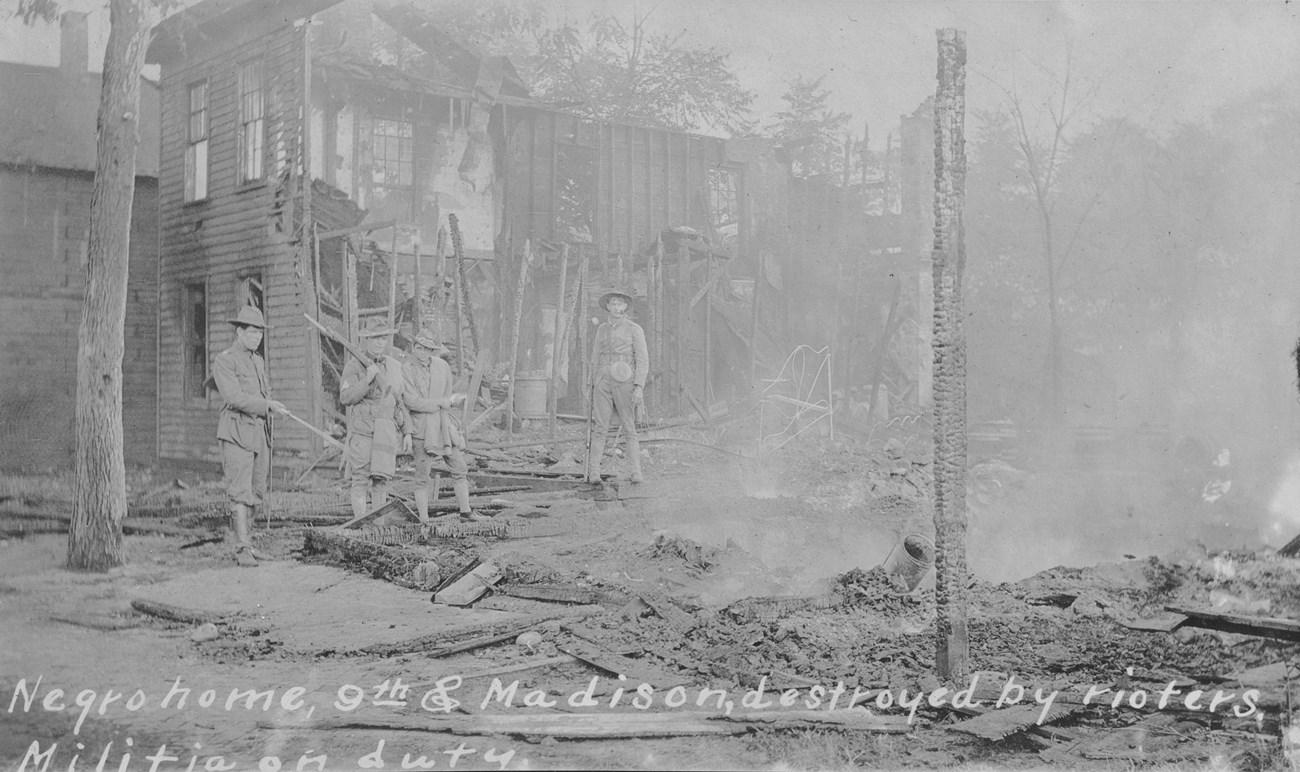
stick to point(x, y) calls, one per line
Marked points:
point(172, 613)
point(1266, 627)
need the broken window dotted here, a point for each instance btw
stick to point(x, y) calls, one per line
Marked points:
point(724, 204)
point(251, 132)
point(194, 337)
point(196, 148)
point(393, 153)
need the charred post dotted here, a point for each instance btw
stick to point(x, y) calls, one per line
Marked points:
point(953, 645)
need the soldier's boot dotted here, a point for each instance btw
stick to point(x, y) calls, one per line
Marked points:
point(461, 489)
point(358, 502)
point(634, 452)
point(378, 494)
point(422, 504)
point(243, 541)
point(253, 512)
point(597, 452)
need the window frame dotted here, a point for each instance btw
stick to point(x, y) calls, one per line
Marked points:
point(198, 182)
point(194, 384)
point(381, 162)
point(251, 160)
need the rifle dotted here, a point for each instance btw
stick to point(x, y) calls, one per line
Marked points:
point(347, 345)
point(591, 409)
point(329, 440)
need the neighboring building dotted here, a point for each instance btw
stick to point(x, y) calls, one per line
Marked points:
point(395, 123)
point(47, 163)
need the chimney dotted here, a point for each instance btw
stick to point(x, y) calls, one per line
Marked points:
point(74, 40)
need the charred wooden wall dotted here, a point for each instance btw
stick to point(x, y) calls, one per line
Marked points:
point(608, 190)
point(608, 184)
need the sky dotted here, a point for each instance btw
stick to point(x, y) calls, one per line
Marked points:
point(1157, 62)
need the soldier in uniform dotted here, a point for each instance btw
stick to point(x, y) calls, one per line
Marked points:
point(620, 365)
point(430, 397)
point(243, 430)
point(372, 393)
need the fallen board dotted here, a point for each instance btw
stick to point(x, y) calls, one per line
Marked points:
point(997, 724)
point(1165, 622)
point(612, 725)
point(1266, 627)
point(620, 666)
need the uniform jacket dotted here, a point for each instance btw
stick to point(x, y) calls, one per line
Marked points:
point(428, 387)
point(380, 399)
point(240, 375)
point(623, 340)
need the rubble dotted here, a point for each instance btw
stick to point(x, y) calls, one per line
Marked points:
point(660, 590)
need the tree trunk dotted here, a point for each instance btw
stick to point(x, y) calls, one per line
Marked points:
point(95, 537)
point(952, 651)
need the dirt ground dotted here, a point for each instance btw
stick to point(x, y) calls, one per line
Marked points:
point(718, 572)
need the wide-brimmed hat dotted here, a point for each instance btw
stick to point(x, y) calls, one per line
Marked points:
point(376, 326)
point(605, 295)
point(426, 339)
point(249, 316)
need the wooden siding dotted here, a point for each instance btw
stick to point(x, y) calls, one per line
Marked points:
point(645, 180)
point(237, 231)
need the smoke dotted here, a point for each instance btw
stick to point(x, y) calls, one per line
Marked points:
point(1284, 505)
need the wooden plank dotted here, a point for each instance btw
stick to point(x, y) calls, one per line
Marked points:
point(479, 643)
point(618, 665)
point(469, 587)
point(639, 724)
point(1267, 627)
point(357, 230)
point(555, 593)
point(172, 613)
point(998, 724)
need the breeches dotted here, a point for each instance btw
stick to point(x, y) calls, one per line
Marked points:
point(613, 397)
point(245, 471)
point(373, 456)
point(454, 459)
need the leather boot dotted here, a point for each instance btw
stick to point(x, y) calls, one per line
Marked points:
point(358, 502)
point(634, 452)
point(422, 504)
point(597, 452)
point(461, 489)
point(378, 494)
point(253, 512)
point(243, 541)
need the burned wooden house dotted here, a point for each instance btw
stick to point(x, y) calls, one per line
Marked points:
point(336, 160)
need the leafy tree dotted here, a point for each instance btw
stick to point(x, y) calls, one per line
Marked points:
point(810, 129)
point(610, 69)
point(95, 535)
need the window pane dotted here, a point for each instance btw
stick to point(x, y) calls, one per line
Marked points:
point(201, 170)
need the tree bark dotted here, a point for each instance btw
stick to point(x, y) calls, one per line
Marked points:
point(95, 537)
point(952, 650)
